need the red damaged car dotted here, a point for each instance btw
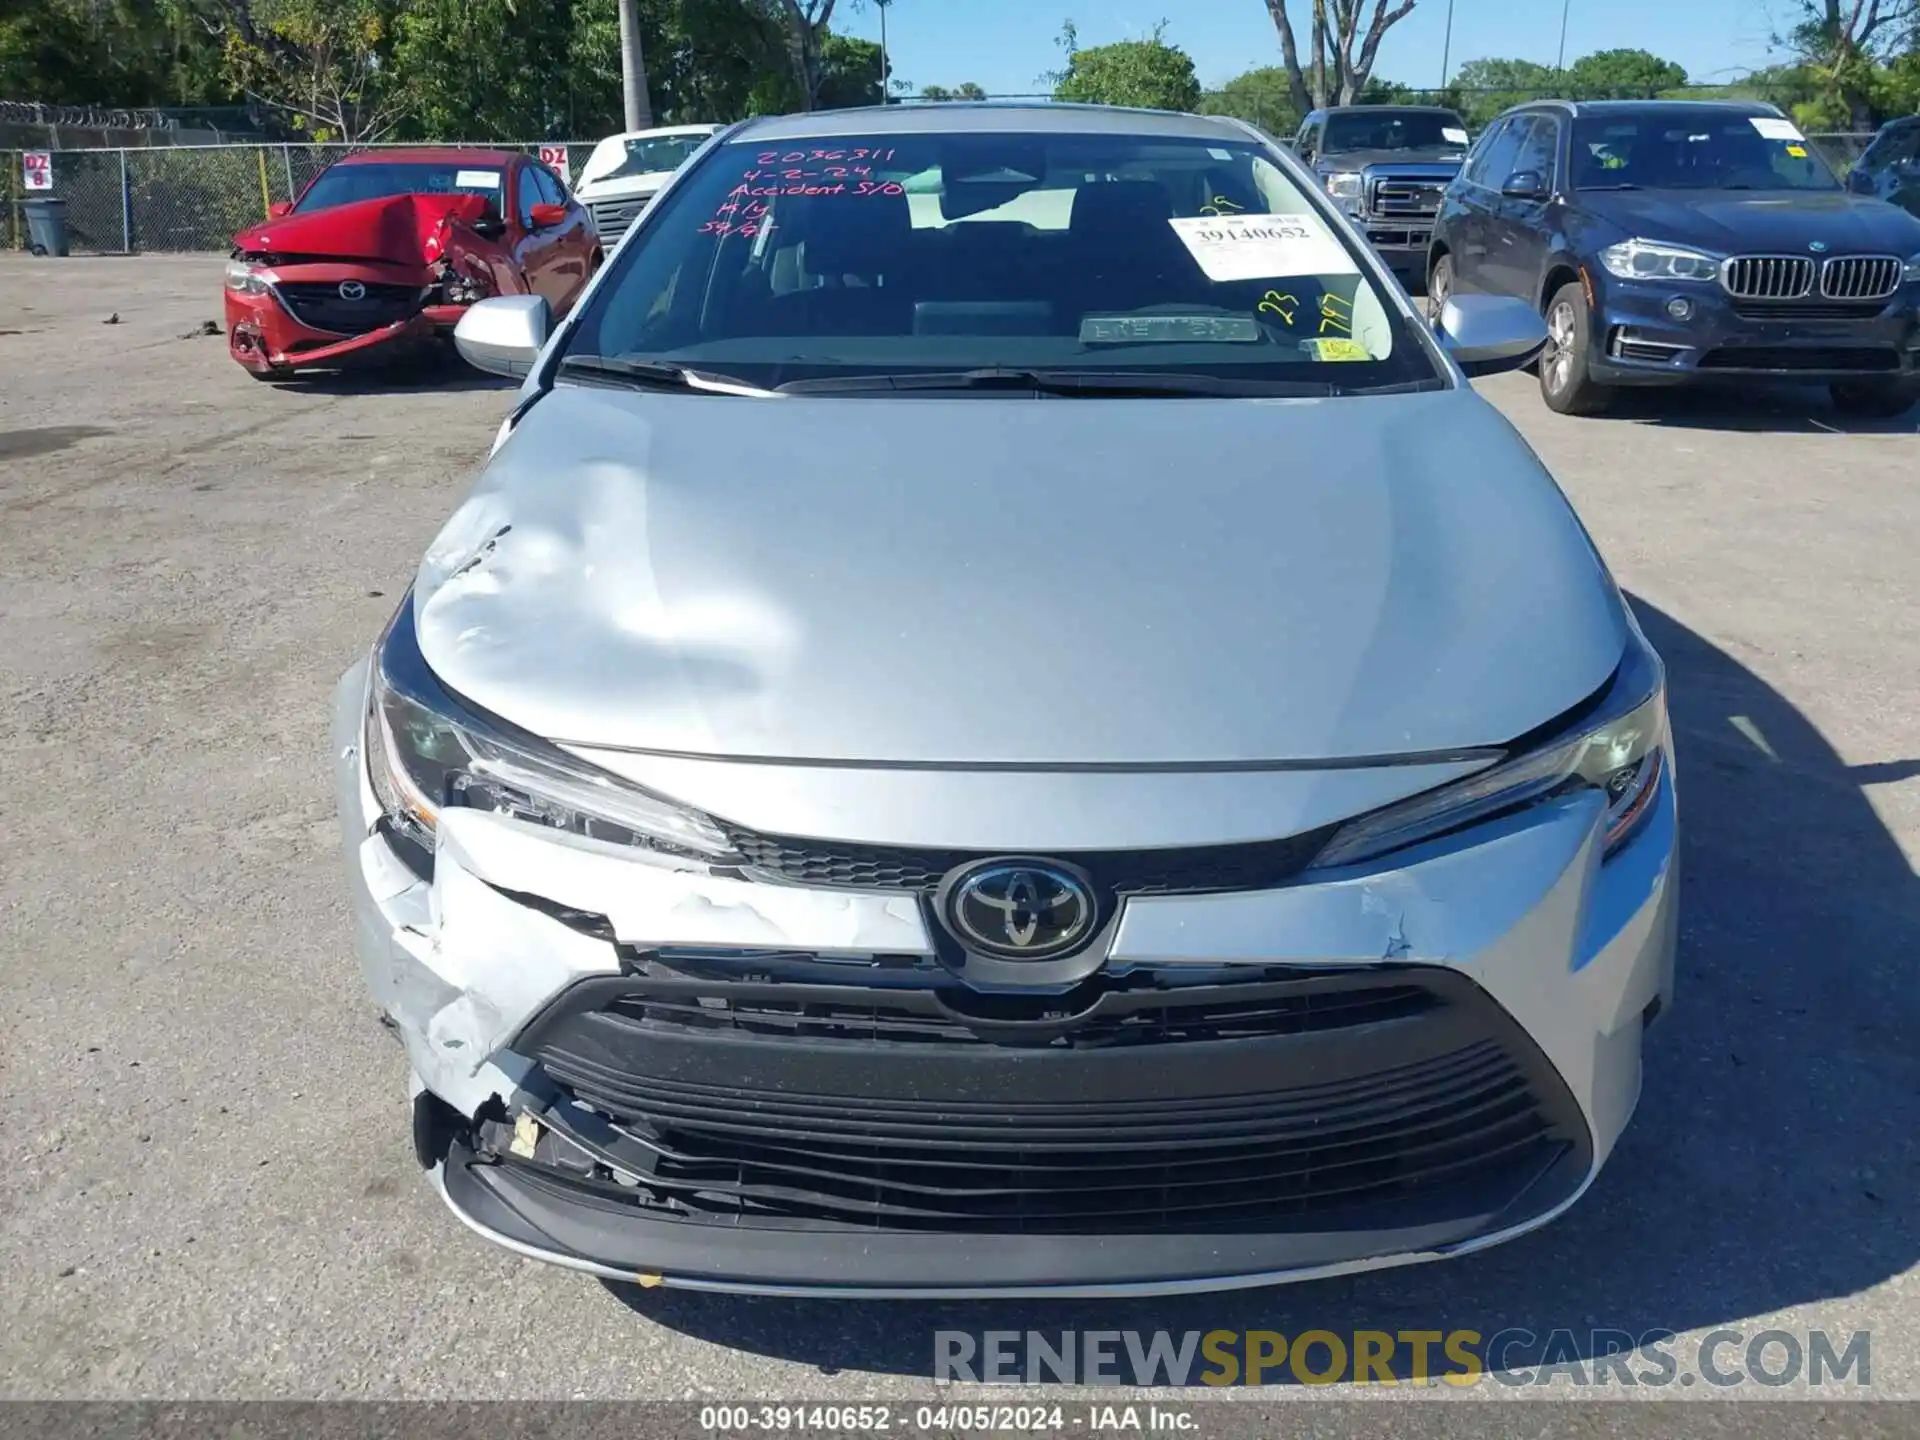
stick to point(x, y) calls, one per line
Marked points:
point(383, 252)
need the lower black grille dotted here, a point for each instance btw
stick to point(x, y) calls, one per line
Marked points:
point(1784, 311)
point(320, 304)
point(1252, 866)
point(1265, 1105)
point(1801, 358)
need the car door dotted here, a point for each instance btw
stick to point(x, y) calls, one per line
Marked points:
point(1521, 228)
point(574, 257)
point(539, 251)
point(1478, 189)
point(1891, 167)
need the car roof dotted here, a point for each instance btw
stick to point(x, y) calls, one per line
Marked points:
point(1389, 105)
point(988, 117)
point(1642, 107)
point(432, 155)
point(665, 130)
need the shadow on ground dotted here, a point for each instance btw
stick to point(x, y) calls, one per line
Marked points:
point(1759, 408)
point(1773, 1159)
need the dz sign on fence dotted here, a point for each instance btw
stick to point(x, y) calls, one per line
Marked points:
point(554, 157)
point(37, 168)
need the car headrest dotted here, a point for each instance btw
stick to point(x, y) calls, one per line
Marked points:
point(1116, 208)
point(852, 234)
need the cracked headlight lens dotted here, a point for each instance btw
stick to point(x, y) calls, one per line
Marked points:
point(246, 278)
point(427, 751)
point(1618, 748)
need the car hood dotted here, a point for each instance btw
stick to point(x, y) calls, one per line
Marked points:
point(394, 228)
point(1448, 157)
point(623, 187)
point(1758, 221)
point(915, 580)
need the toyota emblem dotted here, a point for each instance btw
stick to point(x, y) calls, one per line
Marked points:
point(1020, 909)
point(352, 290)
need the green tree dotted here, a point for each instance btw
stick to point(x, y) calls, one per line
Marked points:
point(1842, 45)
point(1622, 74)
point(1260, 97)
point(1148, 73)
point(849, 73)
point(967, 90)
point(1486, 87)
point(110, 53)
point(324, 64)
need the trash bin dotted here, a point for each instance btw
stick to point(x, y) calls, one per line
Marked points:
point(46, 225)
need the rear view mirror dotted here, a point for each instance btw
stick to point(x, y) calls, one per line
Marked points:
point(1859, 181)
point(504, 335)
point(279, 209)
point(546, 216)
point(1488, 334)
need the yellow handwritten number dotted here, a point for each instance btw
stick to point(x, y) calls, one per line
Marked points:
point(1274, 303)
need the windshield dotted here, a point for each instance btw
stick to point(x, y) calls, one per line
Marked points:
point(1717, 150)
point(1395, 130)
point(346, 184)
point(916, 253)
point(643, 155)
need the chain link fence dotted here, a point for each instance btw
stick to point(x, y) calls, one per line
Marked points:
point(197, 197)
point(187, 197)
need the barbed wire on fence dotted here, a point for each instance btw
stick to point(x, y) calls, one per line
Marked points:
point(196, 198)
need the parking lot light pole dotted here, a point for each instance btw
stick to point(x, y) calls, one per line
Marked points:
point(1446, 46)
point(633, 69)
point(1560, 65)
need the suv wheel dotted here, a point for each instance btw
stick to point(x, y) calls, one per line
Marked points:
point(1439, 288)
point(1874, 399)
point(1565, 383)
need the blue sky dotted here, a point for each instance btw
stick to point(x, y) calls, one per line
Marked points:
point(1005, 45)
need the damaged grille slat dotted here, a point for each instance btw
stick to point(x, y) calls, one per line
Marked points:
point(319, 304)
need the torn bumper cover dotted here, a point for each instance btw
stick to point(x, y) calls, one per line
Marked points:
point(664, 1074)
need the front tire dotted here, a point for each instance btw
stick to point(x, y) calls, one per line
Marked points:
point(1874, 399)
point(1439, 289)
point(1566, 384)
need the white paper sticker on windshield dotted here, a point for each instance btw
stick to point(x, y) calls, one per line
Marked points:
point(477, 180)
point(1776, 129)
point(1453, 135)
point(1262, 247)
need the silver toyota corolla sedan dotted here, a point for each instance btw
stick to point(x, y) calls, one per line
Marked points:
point(1002, 721)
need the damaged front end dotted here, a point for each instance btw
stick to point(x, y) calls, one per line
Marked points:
point(397, 288)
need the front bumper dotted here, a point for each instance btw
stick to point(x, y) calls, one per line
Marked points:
point(1637, 342)
point(266, 333)
point(1403, 245)
point(1478, 1010)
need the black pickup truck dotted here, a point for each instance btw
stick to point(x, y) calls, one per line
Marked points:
point(1387, 166)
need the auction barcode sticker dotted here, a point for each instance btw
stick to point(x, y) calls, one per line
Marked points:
point(1262, 247)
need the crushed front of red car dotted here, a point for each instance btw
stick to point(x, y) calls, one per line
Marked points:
point(363, 281)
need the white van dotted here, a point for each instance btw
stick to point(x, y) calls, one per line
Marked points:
point(625, 171)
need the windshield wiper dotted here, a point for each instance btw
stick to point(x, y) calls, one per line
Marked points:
point(655, 375)
point(1106, 383)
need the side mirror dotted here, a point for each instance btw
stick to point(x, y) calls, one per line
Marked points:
point(504, 335)
point(546, 216)
point(279, 209)
point(1859, 181)
point(1525, 185)
point(1488, 334)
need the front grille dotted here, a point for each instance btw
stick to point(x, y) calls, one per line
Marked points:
point(1860, 277)
point(1099, 1014)
point(1408, 1087)
point(1802, 358)
point(1767, 277)
point(320, 304)
point(1195, 870)
point(612, 217)
point(1399, 198)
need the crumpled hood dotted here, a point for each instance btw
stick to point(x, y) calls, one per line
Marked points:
point(1018, 580)
point(399, 229)
point(1752, 222)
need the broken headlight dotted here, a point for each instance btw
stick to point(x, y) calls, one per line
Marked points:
point(1618, 746)
point(427, 751)
point(246, 278)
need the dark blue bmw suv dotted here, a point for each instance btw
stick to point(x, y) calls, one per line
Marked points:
point(1668, 242)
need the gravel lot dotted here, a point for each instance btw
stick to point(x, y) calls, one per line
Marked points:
point(209, 1190)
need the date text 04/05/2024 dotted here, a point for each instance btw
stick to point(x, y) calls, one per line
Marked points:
point(944, 1419)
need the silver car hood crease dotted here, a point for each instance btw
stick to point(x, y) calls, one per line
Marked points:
point(1016, 581)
